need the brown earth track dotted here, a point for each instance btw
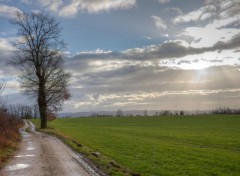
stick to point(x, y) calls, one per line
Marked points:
point(44, 155)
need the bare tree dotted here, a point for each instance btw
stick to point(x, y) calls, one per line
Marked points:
point(35, 111)
point(2, 100)
point(39, 57)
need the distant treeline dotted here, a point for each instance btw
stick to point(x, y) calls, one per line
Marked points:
point(21, 111)
point(25, 112)
point(120, 113)
point(226, 110)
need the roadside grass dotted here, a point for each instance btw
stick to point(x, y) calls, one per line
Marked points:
point(9, 136)
point(177, 145)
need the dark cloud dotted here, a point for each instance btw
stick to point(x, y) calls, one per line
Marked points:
point(172, 12)
point(231, 44)
point(176, 50)
point(163, 51)
point(225, 8)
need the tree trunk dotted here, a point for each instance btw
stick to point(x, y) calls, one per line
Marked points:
point(43, 115)
point(42, 104)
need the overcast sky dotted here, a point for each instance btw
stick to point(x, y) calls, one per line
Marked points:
point(139, 54)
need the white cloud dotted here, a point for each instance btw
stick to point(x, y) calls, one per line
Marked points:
point(5, 44)
point(6, 49)
point(26, 1)
point(159, 22)
point(97, 51)
point(211, 33)
point(94, 6)
point(164, 1)
point(200, 14)
point(150, 100)
point(173, 11)
point(213, 9)
point(203, 61)
point(148, 37)
point(52, 5)
point(8, 11)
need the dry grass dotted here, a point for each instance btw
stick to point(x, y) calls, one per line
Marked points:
point(9, 135)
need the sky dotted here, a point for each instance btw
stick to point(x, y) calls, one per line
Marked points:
point(138, 54)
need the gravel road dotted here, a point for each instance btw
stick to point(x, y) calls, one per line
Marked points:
point(45, 155)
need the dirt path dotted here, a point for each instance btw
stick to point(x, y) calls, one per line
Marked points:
point(44, 155)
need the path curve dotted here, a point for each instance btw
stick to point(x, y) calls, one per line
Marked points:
point(44, 155)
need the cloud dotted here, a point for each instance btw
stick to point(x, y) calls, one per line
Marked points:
point(213, 9)
point(202, 14)
point(226, 8)
point(234, 42)
point(203, 61)
point(107, 80)
point(7, 51)
point(164, 1)
point(175, 49)
point(210, 34)
point(94, 6)
point(170, 49)
point(173, 11)
point(97, 51)
point(144, 76)
point(5, 44)
point(159, 22)
point(8, 11)
point(26, 1)
point(154, 86)
point(52, 5)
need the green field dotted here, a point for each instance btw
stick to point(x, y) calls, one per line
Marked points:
point(186, 145)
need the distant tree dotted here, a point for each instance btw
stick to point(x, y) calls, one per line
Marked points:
point(119, 113)
point(2, 101)
point(166, 113)
point(145, 113)
point(156, 114)
point(20, 111)
point(35, 111)
point(129, 115)
point(181, 112)
point(39, 56)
